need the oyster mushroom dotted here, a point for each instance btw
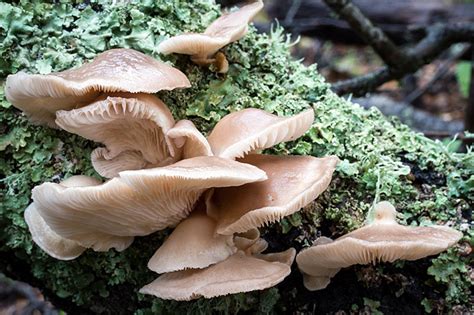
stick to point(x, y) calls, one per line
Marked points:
point(132, 126)
point(186, 137)
point(228, 28)
point(116, 70)
point(382, 240)
point(293, 182)
point(253, 129)
point(137, 202)
point(238, 273)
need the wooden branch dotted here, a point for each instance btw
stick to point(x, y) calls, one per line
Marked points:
point(439, 37)
point(371, 34)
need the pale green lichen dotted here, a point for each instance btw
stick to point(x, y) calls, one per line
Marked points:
point(377, 153)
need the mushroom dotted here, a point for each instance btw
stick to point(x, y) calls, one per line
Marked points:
point(253, 129)
point(238, 273)
point(186, 137)
point(293, 182)
point(50, 242)
point(132, 126)
point(137, 202)
point(228, 28)
point(192, 244)
point(382, 240)
point(116, 70)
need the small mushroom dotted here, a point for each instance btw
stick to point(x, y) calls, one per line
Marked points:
point(228, 28)
point(185, 136)
point(253, 129)
point(132, 126)
point(137, 202)
point(116, 70)
point(192, 245)
point(238, 273)
point(382, 240)
point(293, 182)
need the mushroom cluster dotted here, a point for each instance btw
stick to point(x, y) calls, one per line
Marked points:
point(218, 190)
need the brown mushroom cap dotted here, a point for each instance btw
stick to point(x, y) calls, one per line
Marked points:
point(293, 182)
point(382, 240)
point(186, 137)
point(116, 70)
point(226, 29)
point(137, 202)
point(126, 160)
point(238, 273)
point(193, 244)
point(253, 129)
point(137, 123)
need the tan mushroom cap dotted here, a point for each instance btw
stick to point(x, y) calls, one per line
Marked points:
point(382, 240)
point(185, 136)
point(137, 202)
point(293, 182)
point(253, 129)
point(131, 122)
point(116, 70)
point(226, 29)
point(238, 273)
point(126, 160)
point(50, 242)
point(193, 244)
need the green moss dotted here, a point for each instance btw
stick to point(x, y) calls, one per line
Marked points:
point(381, 159)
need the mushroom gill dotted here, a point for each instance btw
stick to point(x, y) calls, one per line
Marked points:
point(115, 70)
point(382, 240)
point(137, 202)
point(228, 28)
point(293, 182)
point(133, 128)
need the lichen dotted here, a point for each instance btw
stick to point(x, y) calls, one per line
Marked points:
point(381, 158)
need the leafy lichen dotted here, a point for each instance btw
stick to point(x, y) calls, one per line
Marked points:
point(381, 159)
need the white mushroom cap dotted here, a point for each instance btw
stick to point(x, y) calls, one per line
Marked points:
point(193, 244)
point(186, 137)
point(382, 240)
point(238, 273)
point(116, 70)
point(253, 129)
point(137, 202)
point(293, 182)
point(228, 28)
point(136, 123)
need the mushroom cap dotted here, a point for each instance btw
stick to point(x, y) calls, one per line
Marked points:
point(130, 122)
point(293, 182)
point(137, 202)
point(115, 70)
point(192, 44)
point(382, 240)
point(193, 244)
point(226, 29)
point(238, 273)
point(186, 137)
point(126, 160)
point(50, 242)
point(253, 129)
point(234, 25)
